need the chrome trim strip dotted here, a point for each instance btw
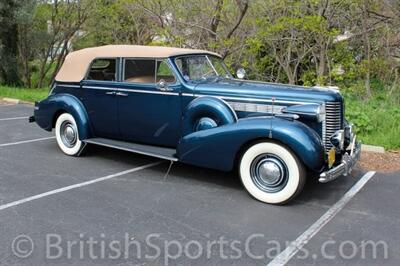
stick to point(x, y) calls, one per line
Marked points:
point(324, 133)
point(200, 95)
point(99, 88)
point(263, 100)
point(245, 99)
point(132, 90)
point(69, 86)
point(150, 92)
point(257, 108)
point(131, 150)
point(52, 89)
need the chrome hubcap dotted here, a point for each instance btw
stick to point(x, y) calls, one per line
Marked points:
point(68, 134)
point(269, 173)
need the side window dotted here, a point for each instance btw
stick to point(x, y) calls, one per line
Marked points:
point(140, 70)
point(164, 72)
point(218, 66)
point(102, 69)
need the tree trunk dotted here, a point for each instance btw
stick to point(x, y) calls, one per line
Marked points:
point(216, 20)
point(60, 59)
point(367, 48)
point(321, 65)
point(291, 75)
point(24, 55)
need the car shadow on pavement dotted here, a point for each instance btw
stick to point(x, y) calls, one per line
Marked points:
point(177, 171)
point(314, 193)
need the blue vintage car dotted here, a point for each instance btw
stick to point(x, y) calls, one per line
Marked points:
point(184, 105)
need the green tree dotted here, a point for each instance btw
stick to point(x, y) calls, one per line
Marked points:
point(9, 42)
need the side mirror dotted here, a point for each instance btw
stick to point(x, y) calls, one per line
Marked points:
point(163, 86)
point(241, 73)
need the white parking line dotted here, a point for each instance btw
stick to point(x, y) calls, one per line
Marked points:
point(285, 256)
point(63, 189)
point(14, 118)
point(24, 141)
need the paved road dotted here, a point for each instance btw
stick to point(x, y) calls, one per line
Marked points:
point(115, 208)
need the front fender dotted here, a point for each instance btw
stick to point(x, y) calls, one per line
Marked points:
point(207, 107)
point(55, 104)
point(218, 147)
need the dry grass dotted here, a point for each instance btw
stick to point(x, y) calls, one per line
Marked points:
point(382, 162)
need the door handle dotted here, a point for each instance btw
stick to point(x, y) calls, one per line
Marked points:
point(122, 94)
point(110, 92)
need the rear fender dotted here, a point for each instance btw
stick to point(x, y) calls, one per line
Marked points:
point(219, 147)
point(47, 110)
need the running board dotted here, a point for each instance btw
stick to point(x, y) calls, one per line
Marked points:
point(154, 151)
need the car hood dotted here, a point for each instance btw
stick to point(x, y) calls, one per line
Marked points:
point(263, 90)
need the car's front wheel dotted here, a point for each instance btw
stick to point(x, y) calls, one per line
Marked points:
point(271, 173)
point(67, 135)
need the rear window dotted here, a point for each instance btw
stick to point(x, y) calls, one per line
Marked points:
point(102, 69)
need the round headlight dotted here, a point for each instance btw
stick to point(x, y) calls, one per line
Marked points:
point(337, 139)
point(321, 113)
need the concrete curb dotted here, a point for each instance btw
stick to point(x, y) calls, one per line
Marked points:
point(26, 102)
point(15, 101)
point(371, 148)
point(11, 100)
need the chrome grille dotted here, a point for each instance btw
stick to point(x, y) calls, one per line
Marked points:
point(332, 123)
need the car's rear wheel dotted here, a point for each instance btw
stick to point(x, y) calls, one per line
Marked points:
point(271, 173)
point(67, 135)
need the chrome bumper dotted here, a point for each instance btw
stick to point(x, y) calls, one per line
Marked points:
point(345, 167)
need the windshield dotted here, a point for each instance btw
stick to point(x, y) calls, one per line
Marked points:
point(202, 67)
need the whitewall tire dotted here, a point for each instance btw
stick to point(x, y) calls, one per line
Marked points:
point(67, 135)
point(271, 173)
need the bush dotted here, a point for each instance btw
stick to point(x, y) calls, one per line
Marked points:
point(376, 120)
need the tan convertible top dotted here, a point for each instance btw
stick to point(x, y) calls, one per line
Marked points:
point(77, 63)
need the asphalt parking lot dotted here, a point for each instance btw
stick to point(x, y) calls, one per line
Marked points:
point(110, 207)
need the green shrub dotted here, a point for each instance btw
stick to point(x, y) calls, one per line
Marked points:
point(377, 119)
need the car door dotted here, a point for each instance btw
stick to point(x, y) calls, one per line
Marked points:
point(100, 97)
point(148, 99)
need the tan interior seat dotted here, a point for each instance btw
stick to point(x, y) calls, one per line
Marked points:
point(141, 79)
point(168, 79)
point(150, 79)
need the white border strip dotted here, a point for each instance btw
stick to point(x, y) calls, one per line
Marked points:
point(63, 189)
point(14, 118)
point(285, 256)
point(245, 99)
point(24, 141)
point(132, 90)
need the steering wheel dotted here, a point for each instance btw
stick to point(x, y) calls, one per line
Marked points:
point(204, 76)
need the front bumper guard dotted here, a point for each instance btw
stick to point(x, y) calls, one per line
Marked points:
point(345, 167)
